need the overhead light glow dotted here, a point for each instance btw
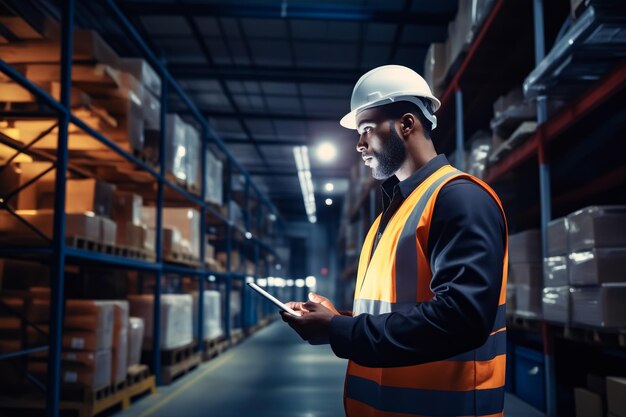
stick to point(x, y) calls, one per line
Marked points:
point(329, 201)
point(248, 235)
point(299, 283)
point(329, 186)
point(326, 152)
point(310, 281)
point(301, 155)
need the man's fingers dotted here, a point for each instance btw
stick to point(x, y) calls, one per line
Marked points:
point(316, 298)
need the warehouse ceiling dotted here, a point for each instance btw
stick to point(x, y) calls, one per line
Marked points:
point(270, 75)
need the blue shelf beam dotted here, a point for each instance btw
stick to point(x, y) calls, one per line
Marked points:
point(57, 288)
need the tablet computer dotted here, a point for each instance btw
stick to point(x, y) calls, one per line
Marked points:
point(273, 299)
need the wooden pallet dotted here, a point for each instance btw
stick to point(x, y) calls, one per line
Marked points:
point(176, 362)
point(236, 336)
point(182, 258)
point(138, 382)
point(110, 249)
point(87, 402)
point(214, 347)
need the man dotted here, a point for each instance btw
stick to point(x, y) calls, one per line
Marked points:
point(427, 336)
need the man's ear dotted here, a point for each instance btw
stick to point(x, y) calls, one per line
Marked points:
point(408, 124)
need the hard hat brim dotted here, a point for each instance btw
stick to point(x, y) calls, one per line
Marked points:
point(349, 120)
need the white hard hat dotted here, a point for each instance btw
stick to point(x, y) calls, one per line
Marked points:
point(386, 85)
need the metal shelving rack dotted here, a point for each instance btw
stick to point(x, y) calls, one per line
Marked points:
point(550, 129)
point(500, 56)
point(59, 253)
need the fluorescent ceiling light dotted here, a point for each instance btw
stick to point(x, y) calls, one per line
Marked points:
point(329, 186)
point(301, 156)
point(326, 151)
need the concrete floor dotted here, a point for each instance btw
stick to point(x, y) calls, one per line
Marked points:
point(271, 374)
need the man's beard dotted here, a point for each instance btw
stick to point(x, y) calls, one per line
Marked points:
point(392, 156)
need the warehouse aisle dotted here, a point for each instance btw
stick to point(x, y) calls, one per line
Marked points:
point(271, 374)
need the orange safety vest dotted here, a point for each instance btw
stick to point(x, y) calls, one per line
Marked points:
point(470, 384)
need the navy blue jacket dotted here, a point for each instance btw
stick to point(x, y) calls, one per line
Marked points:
point(466, 248)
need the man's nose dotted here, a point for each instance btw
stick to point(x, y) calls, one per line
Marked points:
point(361, 145)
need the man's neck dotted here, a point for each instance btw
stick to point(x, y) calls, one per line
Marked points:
point(414, 161)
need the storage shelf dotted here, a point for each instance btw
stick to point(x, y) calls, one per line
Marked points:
point(119, 261)
point(566, 120)
point(499, 57)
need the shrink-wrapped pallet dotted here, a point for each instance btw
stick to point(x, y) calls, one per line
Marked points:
point(175, 318)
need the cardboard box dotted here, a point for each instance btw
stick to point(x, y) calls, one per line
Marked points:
point(616, 395)
point(131, 235)
point(192, 158)
point(588, 404)
point(528, 300)
point(599, 306)
point(213, 182)
point(119, 351)
point(89, 195)
point(151, 111)
point(556, 304)
point(143, 72)
point(555, 272)
point(91, 369)
point(135, 340)
point(597, 266)
point(525, 247)
point(127, 207)
point(14, 177)
point(558, 230)
point(82, 225)
point(526, 274)
point(127, 108)
point(597, 227)
point(176, 318)
point(176, 146)
point(212, 315)
point(185, 220)
point(108, 230)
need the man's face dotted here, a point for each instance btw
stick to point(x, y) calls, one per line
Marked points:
point(380, 146)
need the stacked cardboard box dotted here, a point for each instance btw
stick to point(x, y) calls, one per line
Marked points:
point(119, 95)
point(616, 396)
point(235, 309)
point(127, 215)
point(182, 142)
point(181, 229)
point(213, 181)
point(596, 264)
point(88, 336)
point(135, 340)
point(87, 204)
point(525, 272)
point(212, 322)
point(556, 291)
point(176, 318)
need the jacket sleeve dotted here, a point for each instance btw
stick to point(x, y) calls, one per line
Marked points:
point(466, 251)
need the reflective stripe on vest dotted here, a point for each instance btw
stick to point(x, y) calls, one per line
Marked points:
point(468, 384)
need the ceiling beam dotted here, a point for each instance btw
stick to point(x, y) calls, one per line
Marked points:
point(264, 116)
point(316, 173)
point(277, 142)
point(191, 71)
point(305, 11)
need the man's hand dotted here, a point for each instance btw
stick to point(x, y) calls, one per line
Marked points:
point(315, 319)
